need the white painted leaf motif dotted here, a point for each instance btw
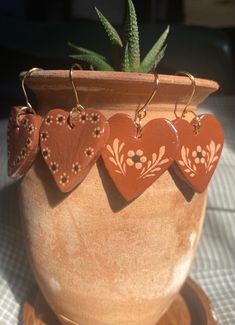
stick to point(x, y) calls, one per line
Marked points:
point(154, 157)
point(153, 165)
point(212, 149)
point(113, 160)
point(121, 147)
point(110, 149)
point(164, 161)
point(186, 161)
point(156, 169)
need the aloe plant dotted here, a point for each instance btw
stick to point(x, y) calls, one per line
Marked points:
point(127, 49)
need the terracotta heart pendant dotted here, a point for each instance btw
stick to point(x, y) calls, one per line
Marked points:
point(70, 152)
point(199, 153)
point(134, 163)
point(23, 141)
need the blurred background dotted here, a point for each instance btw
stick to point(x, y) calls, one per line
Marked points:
point(36, 33)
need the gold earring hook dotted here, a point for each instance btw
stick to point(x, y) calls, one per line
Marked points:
point(141, 112)
point(193, 83)
point(28, 107)
point(197, 123)
point(79, 107)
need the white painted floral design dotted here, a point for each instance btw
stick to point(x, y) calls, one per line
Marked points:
point(117, 157)
point(154, 164)
point(190, 161)
point(29, 142)
point(49, 119)
point(89, 152)
point(54, 166)
point(95, 118)
point(44, 135)
point(60, 119)
point(97, 132)
point(64, 179)
point(31, 128)
point(212, 155)
point(83, 117)
point(199, 155)
point(76, 168)
point(136, 158)
point(46, 152)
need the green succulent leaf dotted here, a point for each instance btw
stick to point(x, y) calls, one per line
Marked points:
point(96, 62)
point(125, 64)
point(110, 30)
point(152, 56)
point(159, 57)
point(132, 37)
point(81, 50)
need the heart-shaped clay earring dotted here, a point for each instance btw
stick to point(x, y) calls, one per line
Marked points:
point(200, 145)
point(22, 136)
point(71, 142)
point(135, 157)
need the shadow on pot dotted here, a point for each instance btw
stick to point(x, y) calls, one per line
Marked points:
point(182, 186)
point(116, 200)
point(54, 195)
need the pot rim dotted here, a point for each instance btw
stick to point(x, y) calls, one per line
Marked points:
point(39, 77)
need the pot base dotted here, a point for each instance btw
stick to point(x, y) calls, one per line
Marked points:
point(191, 306)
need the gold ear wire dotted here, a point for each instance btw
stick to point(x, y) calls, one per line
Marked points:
point(193, 81)
point(141, 112)
point(28, 107)
point(78, 108)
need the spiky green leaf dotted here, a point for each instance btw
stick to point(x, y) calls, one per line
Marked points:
point(152, 56)
point(110, 30)
point(159, 57)
point(132, 37)
point(125, 65)
point(81, 50)
point(96, 62)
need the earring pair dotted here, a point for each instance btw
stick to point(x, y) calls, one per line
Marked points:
point(70, 142)
point(137, 156)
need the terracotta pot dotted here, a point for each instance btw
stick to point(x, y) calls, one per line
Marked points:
point(97, 259)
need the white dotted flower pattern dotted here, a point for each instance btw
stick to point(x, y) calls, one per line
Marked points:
point(89, 152)
point(60, 119)
point(46, 152)
point(95, 118)
point(44, 135)
point(31, 128)
point(54, 166)
point(76, 168)
point(49, 119)
point(66, 156)
point(64, 179)
point(97, 132)
point(83, 117)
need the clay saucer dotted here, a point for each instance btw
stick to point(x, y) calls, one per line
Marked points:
point(190, 307)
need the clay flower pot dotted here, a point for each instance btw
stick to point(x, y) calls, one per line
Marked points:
point(97, 259)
